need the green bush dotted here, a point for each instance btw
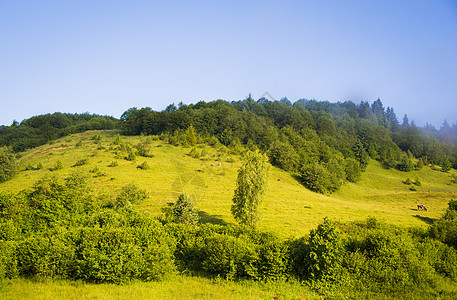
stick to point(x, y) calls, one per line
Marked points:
point(405, 164)
point(229, 257)
point(130, 194)
point(131, 156)
point(273, 262)
point(353, 170)
point(325, 251)
point(45, 257)
point(315, 177)
point(184, 210)
point(81, 162)
point(144, 166)
point(8, 260)
point(8, 164)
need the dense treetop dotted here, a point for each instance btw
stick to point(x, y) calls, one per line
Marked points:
point(324, 143)
point(41, 129)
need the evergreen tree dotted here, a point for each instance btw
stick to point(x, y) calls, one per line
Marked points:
point(361, 155)
point(406, 164)
point(251, 185)
point(405, 121)
point(392, 119)
point(420, 164)
point(190, 138)
point(184, 210)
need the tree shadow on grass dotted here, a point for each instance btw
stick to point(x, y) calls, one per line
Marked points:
point(427, 220)
point(213, 219)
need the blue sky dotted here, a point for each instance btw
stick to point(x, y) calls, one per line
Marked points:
point(107, 56)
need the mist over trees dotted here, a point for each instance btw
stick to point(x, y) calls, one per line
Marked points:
point(323, 143)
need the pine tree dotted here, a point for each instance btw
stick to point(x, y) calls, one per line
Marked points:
point(190, 138)
point(184, 210)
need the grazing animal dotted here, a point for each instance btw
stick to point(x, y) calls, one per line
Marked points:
point(421, 207)
point(219, 164)
point(199, 170)
point(212, 165)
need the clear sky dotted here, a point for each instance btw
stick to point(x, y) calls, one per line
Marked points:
point(107, 56)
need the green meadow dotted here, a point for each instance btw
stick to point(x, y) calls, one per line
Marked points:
point(289, 209)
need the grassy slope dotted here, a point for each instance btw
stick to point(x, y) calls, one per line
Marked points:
point(289, 209)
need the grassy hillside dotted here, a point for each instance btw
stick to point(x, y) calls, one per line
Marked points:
point(289, 209)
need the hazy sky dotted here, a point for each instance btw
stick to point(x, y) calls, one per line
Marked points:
point(107, 56)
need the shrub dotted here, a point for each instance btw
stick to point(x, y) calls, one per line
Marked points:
point(144, 149)
point(96, 138)
point(420, 164)
point(130, 194)
point(144, 166)
point(325, 251)
point(446, 165)
point(43, 256)
point(405, 164)
point(184, 210)
point(8, 260)
point(8, 164)
point(229, 257)
point(57, 166)
point(352, 169)
point(315, 177)
point(113, 164)
point(131, 156)
point(445, 228)
point(273, 259)
point(81, 162)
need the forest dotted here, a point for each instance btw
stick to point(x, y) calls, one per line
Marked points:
point(42, 129)
point(323, 143)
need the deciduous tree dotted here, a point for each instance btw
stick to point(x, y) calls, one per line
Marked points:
point(251, 184)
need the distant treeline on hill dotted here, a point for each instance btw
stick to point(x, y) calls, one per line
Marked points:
point(41, 129)
point(314, 139)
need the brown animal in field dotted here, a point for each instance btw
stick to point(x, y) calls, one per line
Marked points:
point(421, 207)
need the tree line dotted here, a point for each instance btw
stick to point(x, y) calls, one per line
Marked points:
point(39, 130)
point(323, 143)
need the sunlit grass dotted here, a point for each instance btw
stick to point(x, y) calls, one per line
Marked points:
point(289, 209)
point(178, 287)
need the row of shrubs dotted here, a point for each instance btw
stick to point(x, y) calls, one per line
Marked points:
point(62, 230)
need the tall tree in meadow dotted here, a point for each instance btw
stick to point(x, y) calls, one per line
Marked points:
point(190, 138)
point(251, 185)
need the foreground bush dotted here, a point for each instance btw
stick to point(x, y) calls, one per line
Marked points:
point(61, 230)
